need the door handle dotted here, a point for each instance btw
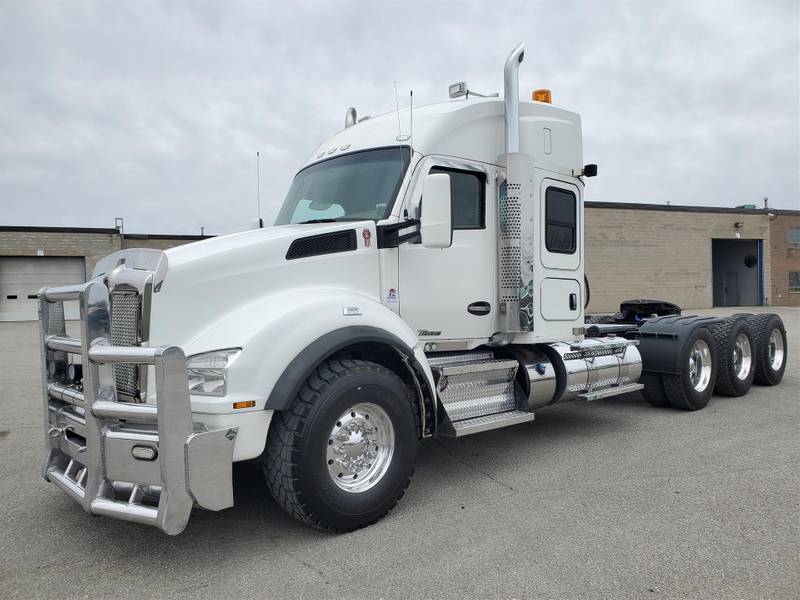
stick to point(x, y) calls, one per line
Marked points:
point(573, 301)
point(479, 308)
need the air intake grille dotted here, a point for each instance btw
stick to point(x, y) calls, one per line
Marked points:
point(326, 243)
point(510, 240)
point(125, 311)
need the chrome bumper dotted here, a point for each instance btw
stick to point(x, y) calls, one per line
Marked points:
point(138, 462)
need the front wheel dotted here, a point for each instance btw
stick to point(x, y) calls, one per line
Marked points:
point(343, 454)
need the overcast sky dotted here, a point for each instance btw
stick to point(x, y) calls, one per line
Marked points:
point(154, 111)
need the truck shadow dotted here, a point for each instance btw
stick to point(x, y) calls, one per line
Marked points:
point(447, 470)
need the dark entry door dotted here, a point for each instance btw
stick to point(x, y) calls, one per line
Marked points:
point(731, 289)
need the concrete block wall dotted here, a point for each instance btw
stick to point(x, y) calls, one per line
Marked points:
point(661, 254)
point(92, 245)
point(158, 242)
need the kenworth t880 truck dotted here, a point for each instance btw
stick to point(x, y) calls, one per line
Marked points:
point(420, 281)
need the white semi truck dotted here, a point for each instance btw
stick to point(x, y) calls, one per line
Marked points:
point(421, 280)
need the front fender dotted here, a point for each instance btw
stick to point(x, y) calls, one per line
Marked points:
point(285, 336)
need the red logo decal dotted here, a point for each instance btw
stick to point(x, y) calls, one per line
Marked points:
point(367, 236)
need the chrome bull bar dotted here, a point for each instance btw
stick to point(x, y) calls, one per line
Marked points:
point(147, 463)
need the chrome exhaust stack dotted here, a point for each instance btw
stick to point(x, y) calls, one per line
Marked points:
point(511, 97)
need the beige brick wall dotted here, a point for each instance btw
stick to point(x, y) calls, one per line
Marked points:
point(157, 243)
point(93, 246)
point(664, 255)
point(784, 259)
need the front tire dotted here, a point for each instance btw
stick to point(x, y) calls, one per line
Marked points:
point(692, 388)
point(343, 454)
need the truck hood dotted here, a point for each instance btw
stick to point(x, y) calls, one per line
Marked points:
point(208, 280)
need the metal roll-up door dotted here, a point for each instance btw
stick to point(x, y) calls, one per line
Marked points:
point(21, 278)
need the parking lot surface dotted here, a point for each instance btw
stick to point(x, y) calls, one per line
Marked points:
point(608, 499)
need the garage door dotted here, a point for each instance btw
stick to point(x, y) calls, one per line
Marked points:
point(21, 278)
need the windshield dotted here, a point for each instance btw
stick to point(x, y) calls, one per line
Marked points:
point(353, 187)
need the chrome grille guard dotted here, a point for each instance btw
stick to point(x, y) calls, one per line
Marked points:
point(138, 462)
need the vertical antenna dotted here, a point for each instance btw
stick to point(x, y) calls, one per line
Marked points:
point(411, 117)
point(397, 104)
point(258, 185)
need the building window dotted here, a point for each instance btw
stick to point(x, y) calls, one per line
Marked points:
point(467, 198)
point(794, 282)
point(793, 237)
point(561, 215)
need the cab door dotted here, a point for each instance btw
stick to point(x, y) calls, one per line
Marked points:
point(560, 251)
point(449, 293)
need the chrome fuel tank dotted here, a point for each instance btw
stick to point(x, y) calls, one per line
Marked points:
point(562, 371)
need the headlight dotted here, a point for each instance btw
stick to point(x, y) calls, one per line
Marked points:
point(208, 372)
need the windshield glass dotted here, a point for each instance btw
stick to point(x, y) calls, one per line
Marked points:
point(353, 187)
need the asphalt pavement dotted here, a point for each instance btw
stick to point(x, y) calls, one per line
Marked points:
point(610, 499)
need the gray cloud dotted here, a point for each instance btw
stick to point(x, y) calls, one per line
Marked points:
point(154, 112)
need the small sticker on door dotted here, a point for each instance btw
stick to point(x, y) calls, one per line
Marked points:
point(391, 295)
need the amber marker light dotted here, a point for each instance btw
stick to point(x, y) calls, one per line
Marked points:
point(542, 96)
point(247, 404)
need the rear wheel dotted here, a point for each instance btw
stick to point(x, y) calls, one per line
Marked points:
point(343, 454)
point(692, 388)
point(770, 348)
point(734, 343)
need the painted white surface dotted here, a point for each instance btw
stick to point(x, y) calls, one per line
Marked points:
point(240, 291)
point(554, 299)
point(436, 285)
point(472, 129)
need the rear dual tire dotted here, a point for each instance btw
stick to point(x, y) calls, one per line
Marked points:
point(770, 348)
point(693, 387)
point(736, 347)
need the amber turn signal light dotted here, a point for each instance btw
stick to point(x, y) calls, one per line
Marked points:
point(542, 96)
point(247, 404)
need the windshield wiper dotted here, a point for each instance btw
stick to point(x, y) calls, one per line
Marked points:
point(316, 221)
point(329, 220)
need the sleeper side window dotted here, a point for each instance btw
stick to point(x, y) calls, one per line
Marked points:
point(467, 198)
point(561, 215)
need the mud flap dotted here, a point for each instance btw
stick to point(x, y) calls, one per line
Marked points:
point(209, 458)
point(662, 341)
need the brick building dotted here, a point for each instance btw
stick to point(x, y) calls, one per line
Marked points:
point(697, 257)
point(31, 257)
point(785, 258)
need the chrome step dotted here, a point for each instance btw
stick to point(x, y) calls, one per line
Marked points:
point(488, 422)
point(611, 391)
point(441, 359)
point(474, 387)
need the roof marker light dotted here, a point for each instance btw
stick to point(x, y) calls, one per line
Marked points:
point(542, 96)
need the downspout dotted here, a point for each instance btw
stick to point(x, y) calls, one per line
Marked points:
point(511, 97)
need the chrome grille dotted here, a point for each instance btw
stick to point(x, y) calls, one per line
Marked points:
point(125, 313)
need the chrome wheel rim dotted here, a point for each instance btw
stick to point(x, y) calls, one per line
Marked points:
point(775, 349)
point(360, 447)
point(700, 365)
point(742, 356)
